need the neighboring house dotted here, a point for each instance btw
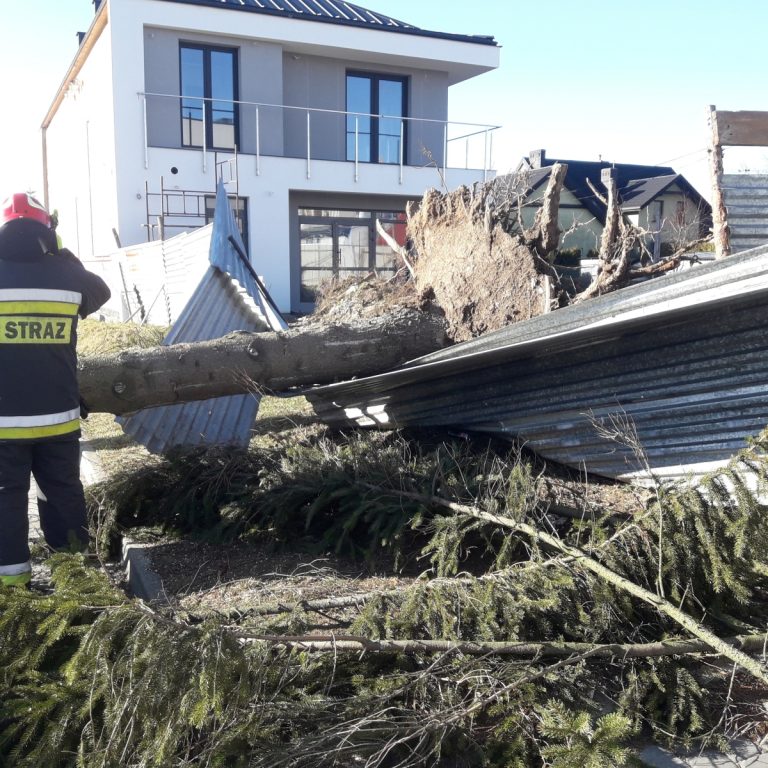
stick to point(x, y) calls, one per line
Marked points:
point(321, 115)
point(652, 197)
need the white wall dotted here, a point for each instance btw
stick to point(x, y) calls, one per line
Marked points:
point(268, 197)
point(81, 158)
point(111, 106)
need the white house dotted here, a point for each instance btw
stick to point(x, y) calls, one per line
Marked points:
point(321, 115)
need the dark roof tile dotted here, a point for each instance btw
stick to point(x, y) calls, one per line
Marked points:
point(334, 12)
point(637, 184)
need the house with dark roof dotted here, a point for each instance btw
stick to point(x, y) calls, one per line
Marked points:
point(653, 197)
point(321, 116)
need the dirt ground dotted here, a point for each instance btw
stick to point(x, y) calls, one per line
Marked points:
point(203, 578)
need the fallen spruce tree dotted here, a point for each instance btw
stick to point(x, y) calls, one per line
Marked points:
point(532, 639)
point(473, 267)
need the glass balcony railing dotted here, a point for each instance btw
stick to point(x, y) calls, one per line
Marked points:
point(279, 130)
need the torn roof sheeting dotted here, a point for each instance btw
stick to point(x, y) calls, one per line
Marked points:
point(228, 298)
point(678, 364)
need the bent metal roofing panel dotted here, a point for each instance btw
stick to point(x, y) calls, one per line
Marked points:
point(334, 12)
point(230, 297)
point(668, 376)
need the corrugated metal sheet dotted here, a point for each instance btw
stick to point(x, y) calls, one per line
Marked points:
point(185, 261)
point(162, 275)
point(227, 299)
point(746, 200)
point(679, 363)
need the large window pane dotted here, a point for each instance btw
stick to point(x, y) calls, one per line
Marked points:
point(223, 98)
point(390, 104)
point(192, 92)
point(209, 93)
point(359, 125)
point(377, 139)
point(316, 246)
point(353, 246)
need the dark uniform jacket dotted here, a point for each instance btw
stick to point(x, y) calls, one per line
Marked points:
point(41, 296)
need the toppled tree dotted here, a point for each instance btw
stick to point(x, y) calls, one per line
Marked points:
point(474, 267)
point(471, 276)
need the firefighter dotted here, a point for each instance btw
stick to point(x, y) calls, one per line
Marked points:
point(43, 289)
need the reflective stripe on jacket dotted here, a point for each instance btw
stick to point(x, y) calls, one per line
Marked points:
point(41, 297)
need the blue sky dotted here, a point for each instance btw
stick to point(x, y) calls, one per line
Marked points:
point(626, 81)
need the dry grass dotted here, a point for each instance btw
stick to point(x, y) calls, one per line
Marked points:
point(98, 338)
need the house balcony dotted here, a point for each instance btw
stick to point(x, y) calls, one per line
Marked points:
point(362, 144)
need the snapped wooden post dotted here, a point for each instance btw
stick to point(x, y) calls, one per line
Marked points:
point(612, 214)
point(720, 230)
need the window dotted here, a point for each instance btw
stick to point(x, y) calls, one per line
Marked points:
point(208, 96)
point(376, 133)
point(336, 244)
point(680, 218)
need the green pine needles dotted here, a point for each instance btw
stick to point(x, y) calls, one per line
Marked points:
point(536, 660)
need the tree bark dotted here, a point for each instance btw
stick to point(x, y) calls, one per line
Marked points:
point(544, 235)
point(615, 245)
point(248, 362)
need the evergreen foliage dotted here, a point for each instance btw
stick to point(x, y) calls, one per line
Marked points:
point(89, 678)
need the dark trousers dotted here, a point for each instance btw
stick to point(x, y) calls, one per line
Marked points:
point(55, 465)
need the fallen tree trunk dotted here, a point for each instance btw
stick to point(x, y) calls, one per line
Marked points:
point(248, 362)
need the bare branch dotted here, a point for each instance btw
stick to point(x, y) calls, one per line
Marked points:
point(524, 649)
point(395, 246)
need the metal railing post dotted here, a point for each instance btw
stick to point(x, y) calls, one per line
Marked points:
point(357, 148)
point(205, 140)
point(485, 158)
point(309, 146)
point(258, 144)
point(466, 155)
point(490, 154)
point(402, 148)
point(445, 149)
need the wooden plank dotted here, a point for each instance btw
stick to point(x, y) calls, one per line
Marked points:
point(741, 129)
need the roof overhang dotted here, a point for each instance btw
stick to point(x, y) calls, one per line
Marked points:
point(460, 56)
point(98, 25)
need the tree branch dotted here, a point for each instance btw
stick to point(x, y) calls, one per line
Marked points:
point(395, 246)
point(711, 640)
point(526, 649)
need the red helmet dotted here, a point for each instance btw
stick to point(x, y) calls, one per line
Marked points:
point(24, 206)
